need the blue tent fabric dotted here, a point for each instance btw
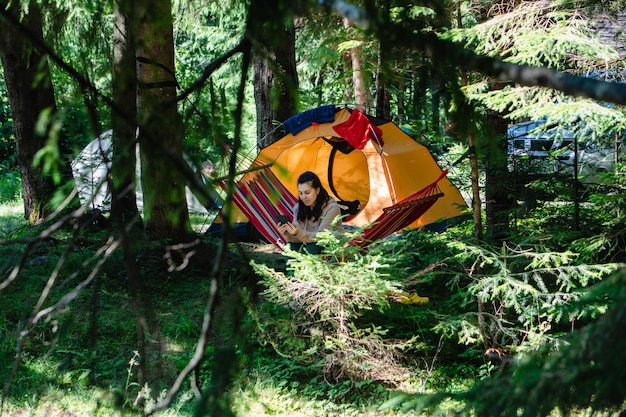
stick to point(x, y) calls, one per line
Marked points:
point(299, 122)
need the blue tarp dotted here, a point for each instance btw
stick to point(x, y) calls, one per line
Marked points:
point(301, 121)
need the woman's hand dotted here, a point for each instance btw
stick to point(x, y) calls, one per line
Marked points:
point(288, 228)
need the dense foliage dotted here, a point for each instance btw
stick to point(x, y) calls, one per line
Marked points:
point(524, 323)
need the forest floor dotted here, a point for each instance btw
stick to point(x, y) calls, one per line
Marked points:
point(81, 357)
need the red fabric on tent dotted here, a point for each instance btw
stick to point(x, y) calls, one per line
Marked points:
point(358, 129)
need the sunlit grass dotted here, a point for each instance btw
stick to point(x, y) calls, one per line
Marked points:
point(85, 403)
point(11, 217)
point(268, 397)
point(201, 222)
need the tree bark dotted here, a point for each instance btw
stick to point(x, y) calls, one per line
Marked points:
point(360, 97)
point(498, 189)
point(274, 63)
point(383, 99)
point(475, 174)
point(123, 121)
point(29, 87)
point(161, 141)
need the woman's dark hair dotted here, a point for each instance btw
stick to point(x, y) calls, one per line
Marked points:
point(305, 212)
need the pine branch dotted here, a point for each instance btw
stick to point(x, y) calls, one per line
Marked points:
point(455, 53)
point(526, 75)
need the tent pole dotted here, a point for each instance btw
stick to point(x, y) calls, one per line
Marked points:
point(392, 190)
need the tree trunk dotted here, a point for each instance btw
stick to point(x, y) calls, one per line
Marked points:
point(123, 117)
point(383, 101)
point(400, 99)
point(265, 113)
point(29, 87)
point(498, 188)
point(471, 144)
point(274, 62)
point(435, 92)
point(360, 97)
point(476, 201)
point(160, 138)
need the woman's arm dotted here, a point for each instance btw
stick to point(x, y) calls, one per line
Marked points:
point(331, 210)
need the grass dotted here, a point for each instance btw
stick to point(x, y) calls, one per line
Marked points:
point(78, 360)
point(82, 359)
point(11, 218)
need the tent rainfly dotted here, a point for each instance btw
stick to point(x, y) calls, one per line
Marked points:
point(92, 165)
point(358, 158)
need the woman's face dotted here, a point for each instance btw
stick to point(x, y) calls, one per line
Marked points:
point(308, 194)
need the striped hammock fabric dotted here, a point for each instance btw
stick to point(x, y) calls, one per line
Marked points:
point(401, 214)
point(262, 197)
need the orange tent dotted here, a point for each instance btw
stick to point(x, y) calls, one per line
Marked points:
point(377, 176)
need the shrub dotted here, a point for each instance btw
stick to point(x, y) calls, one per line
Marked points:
point(312, 314)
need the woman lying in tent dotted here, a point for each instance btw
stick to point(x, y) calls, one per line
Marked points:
point(315, 211)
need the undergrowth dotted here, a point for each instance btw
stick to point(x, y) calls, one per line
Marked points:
point(336, 338)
